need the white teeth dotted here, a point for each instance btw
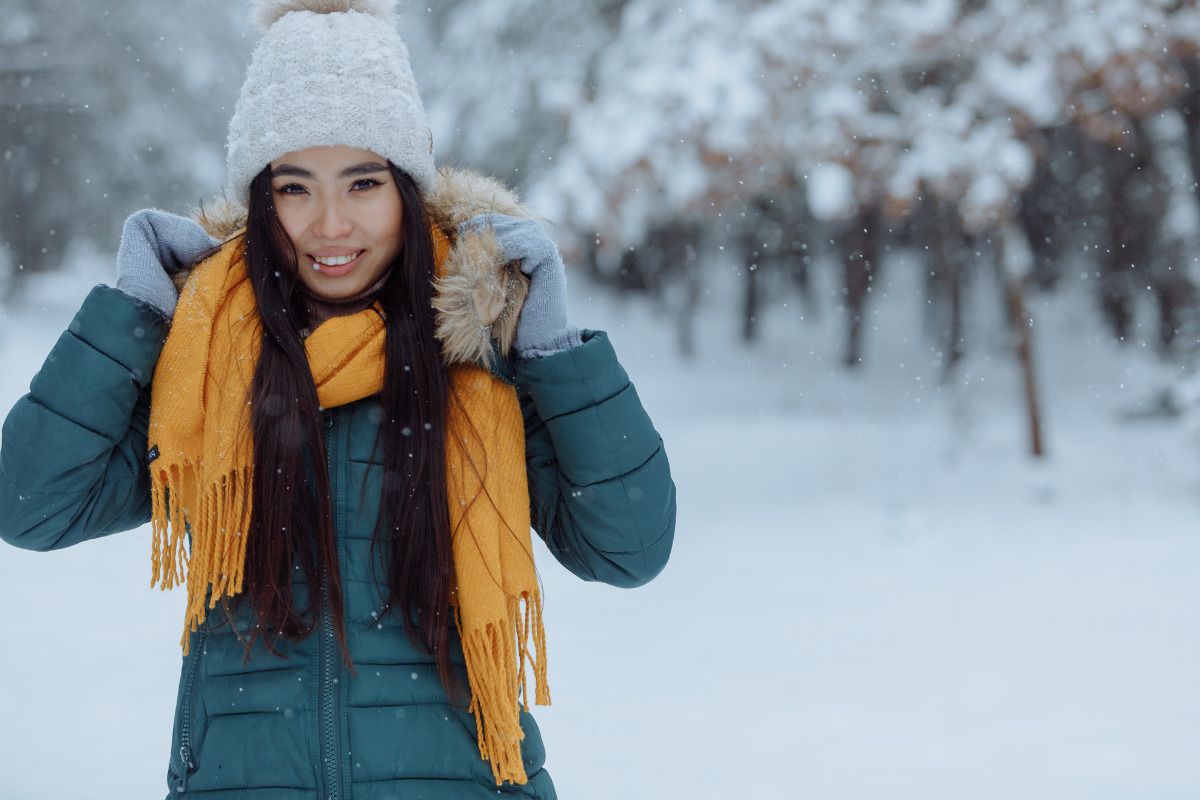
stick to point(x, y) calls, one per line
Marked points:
point(334, 261)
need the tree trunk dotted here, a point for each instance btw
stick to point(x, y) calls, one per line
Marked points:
point(860, 262)
point(1125, 262)
point(1022, 327)
point(1015, 261)
point(944, 315)
point(750, 306)
point(685, 320)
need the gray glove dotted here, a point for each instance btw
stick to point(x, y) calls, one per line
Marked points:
point(154, 246)
point(542, 329)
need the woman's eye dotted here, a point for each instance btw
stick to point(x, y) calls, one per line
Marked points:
point(365, 183)
point(290, 188)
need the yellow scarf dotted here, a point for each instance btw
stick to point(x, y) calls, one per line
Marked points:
point(203, 469)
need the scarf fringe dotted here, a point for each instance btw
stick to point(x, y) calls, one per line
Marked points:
point(496, 656)
point(210, 562)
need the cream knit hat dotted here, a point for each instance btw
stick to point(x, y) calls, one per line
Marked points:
point(328, 72)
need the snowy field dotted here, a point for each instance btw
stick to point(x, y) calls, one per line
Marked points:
point(875, 593)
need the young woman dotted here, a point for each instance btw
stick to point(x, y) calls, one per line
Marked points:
point(341, 429)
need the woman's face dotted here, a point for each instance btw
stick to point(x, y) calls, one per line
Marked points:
point(342, 210)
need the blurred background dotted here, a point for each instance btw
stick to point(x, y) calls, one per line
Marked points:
point(910, 288)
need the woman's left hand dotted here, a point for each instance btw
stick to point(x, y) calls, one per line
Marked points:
point(542, 328)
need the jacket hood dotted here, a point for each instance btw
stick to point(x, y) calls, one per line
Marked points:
point(477, 295)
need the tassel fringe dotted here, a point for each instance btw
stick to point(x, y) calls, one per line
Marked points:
point(497, 654)
point(213, 568)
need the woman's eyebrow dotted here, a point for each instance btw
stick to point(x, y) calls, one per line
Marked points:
point(292, 170)
point(365, 168)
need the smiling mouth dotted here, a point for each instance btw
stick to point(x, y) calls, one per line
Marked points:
point(334, 261)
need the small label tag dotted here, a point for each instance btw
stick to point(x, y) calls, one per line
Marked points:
point(153, 454)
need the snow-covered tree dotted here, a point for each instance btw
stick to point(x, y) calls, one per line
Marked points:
point(876, 115)
point(106, 108)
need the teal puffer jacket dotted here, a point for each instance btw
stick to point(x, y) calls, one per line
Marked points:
point(303, 726)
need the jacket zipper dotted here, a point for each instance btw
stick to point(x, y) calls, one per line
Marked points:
point(329, 682)
point(185, 728)
point(329, 754)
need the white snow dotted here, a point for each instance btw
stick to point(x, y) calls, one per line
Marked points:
point(875, 592)
point(831, 192)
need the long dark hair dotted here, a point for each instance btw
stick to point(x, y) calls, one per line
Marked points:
point(291, 521)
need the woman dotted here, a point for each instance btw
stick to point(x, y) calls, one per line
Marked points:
point(341, 429)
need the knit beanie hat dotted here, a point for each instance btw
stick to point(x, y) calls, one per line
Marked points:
point(328, 72)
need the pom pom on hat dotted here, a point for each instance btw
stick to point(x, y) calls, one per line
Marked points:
point(267, 12)
point(328, 72)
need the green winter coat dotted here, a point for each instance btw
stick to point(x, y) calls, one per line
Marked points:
point(303, 727)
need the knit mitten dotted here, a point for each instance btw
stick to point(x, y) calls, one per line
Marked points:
point(154, 246)
point(542, 328)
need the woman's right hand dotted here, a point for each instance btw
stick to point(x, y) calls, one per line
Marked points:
point(154, 246)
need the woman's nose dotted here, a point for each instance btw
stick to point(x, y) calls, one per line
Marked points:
point(332, 222)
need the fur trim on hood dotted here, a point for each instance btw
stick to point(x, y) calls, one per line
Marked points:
point(478, 295)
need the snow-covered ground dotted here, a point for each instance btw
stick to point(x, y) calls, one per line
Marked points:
point(875, 593)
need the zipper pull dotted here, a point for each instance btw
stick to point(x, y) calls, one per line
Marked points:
point(185, 760)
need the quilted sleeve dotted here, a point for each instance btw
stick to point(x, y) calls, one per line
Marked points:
point(73, 452)
point(600, 486)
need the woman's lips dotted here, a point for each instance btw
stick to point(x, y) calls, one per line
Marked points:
point(336, 270)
